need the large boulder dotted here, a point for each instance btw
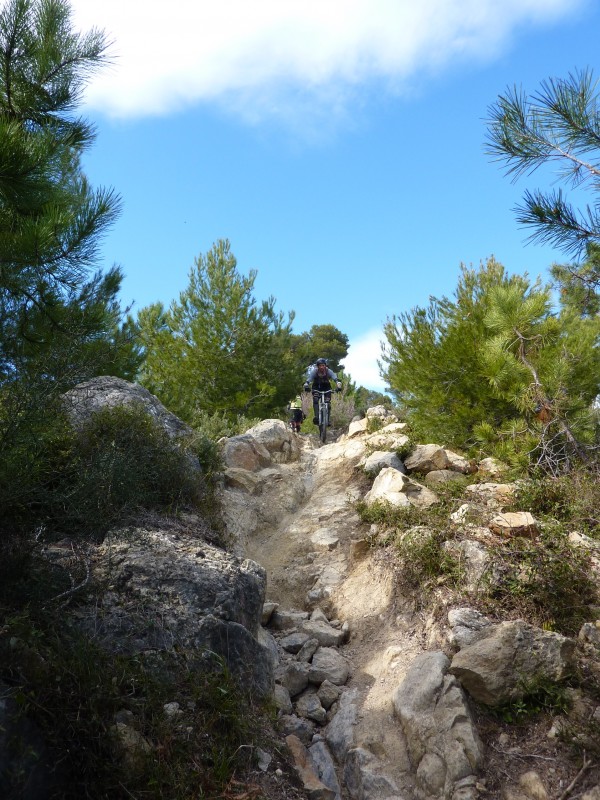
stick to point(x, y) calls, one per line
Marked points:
point(391, 486)
point(166, 591)
point(109, 392)
point(509, 658)
point(443, 743)
point(278, 439)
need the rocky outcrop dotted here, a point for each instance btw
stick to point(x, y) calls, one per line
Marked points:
point(165, 591)
point(109, 392)
point(444, 746)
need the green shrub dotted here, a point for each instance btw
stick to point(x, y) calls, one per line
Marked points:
point(213, 427)
point(539, 697)
point(72, 692)
point(545, 580)
point(572, 499)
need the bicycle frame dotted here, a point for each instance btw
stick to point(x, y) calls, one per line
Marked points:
point(324, 408)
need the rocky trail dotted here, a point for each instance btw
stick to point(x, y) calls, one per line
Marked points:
point(374, 700)
point(315, 556)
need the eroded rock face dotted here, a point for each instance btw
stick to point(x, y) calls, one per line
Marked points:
point(165, 591)
point(444, 746)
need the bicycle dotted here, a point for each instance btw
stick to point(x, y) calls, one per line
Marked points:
point(323, 415)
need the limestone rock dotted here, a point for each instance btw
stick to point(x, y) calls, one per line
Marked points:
point(426, 458)
point(497, 667)
point(328, 664)
point(467, 625)
point(442, 739)
point(313, 786)
point(277, 438)
point(514, 523)
point(393, 487)
point(244, 452)
point(438, 477)
point(109, 392)
point(380, 459)
point(167, 592)
point(495, 494)
point(357, 427)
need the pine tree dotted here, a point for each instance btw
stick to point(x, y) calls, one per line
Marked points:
point(556, 126)
point(217, 349)
point(51, 221)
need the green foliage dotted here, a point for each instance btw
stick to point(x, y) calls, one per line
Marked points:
point(321, 341)
point(538, 697)
point(547, 581)
point(424, 558)
point(54, 320)
point(74, 692)
point(217, 350)
point(496, 369)
point(558, 125)
point(83, 482)
point(433, 367)
point(220, 424)
point(571, 500)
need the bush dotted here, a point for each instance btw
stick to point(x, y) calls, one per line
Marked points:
point(546, 581)
point(83, 482)
point(69, 693)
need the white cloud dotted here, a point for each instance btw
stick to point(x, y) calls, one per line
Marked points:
point(361, 361)
point(251, 55)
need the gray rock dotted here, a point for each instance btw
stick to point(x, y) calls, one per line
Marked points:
point(323, 632)
point(324, 766)
point(363, 776)
point(426, 458)
point(244, 452)
point(381, 459)
point(440, 477)
point(294, 676)
point(308, 650)
point(293, 642)
point(500, 665)
point(309, 706)
point(282, 699)
point(165, 592)
point(328, 664)
point(328, 693)
point(109, 392)
point(277, 438)
point(339, 734)
point(467, 625)
point(442, 740)
point(282, 620)
point(291, 725)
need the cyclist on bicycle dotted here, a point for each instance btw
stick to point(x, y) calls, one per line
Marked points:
point(320, 376)
point(297, 416)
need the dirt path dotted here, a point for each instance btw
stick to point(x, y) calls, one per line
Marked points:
point(317, 556)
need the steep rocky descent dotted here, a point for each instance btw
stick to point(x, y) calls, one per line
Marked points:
point(303, 529)
point(401, 706)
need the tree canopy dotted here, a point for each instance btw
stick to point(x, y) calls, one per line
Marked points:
point(60, 319)
point(321, 341)
point(558, 126)
point(51, 220)
point(497, 366)
point(217, 349)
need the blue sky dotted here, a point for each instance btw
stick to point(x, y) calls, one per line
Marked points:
point(339, 146)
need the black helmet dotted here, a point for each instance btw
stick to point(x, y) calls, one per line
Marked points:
point(321, 361)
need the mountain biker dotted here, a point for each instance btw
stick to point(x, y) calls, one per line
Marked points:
point(297, 416)
point(320, 376)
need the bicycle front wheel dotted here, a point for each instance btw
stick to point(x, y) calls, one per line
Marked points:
point(323, 420)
